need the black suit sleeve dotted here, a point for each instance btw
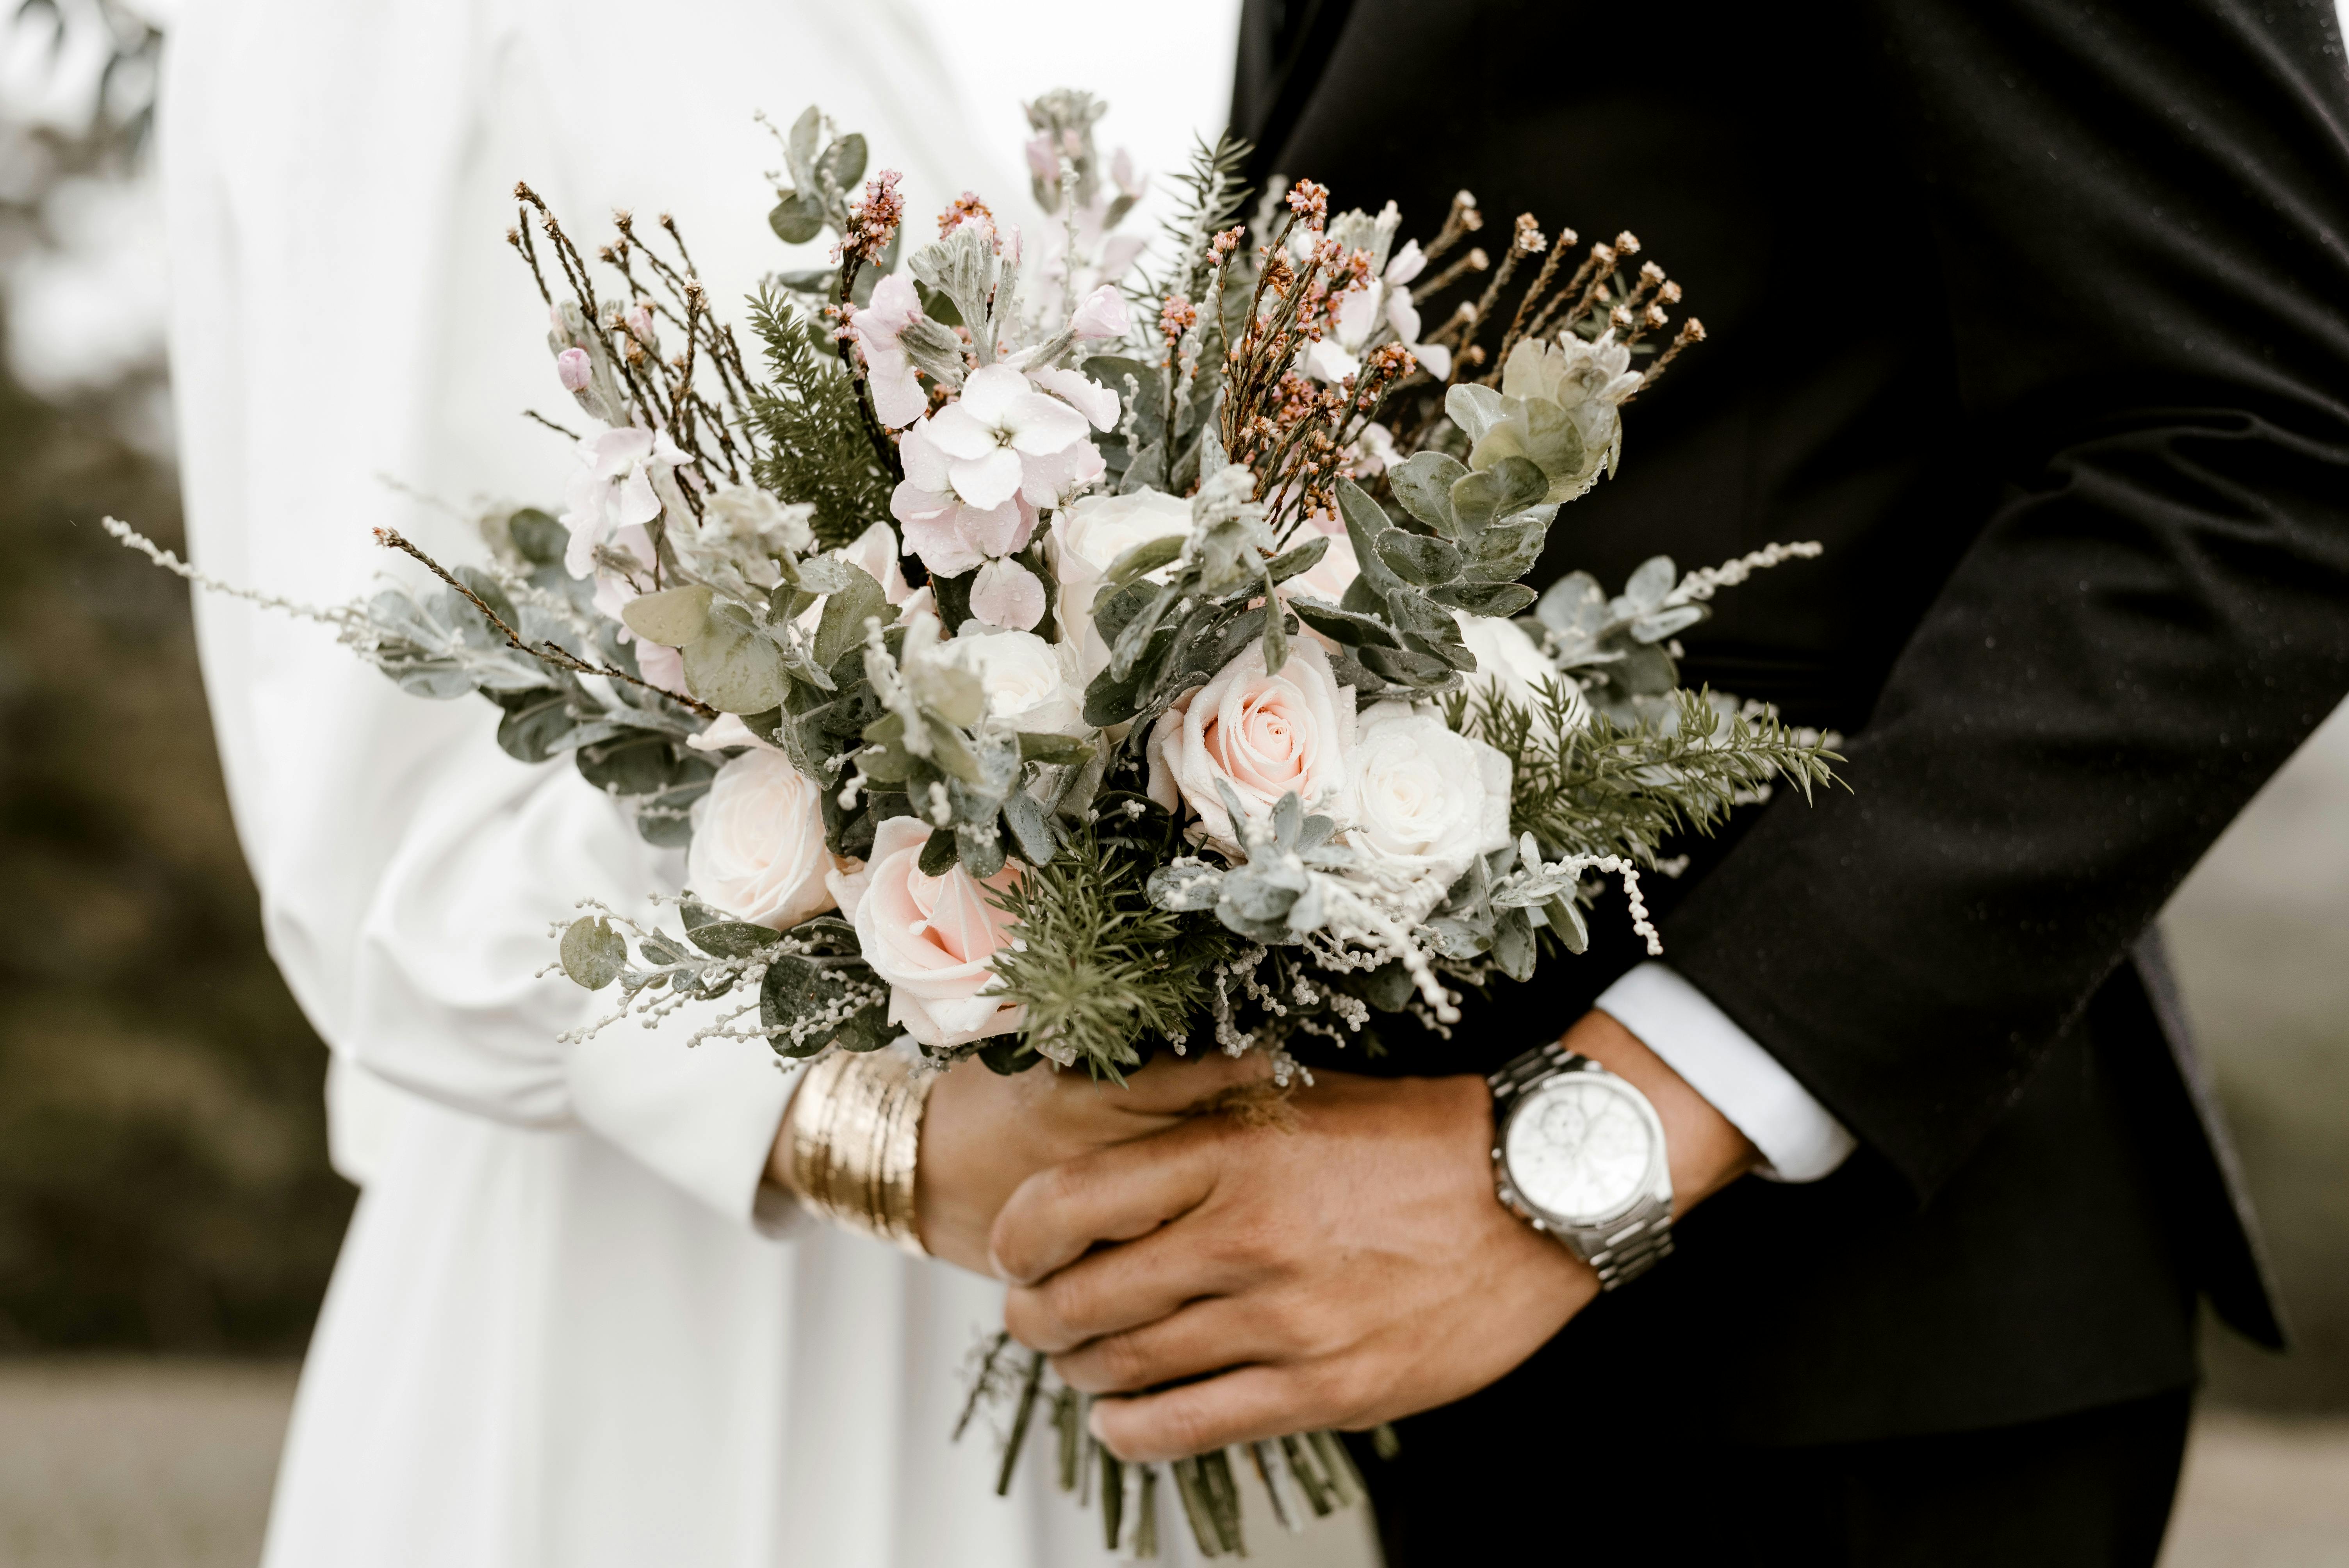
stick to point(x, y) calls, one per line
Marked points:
point(2140, 212)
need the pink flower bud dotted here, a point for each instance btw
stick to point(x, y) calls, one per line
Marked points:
point(1101, 313)
point(572, 367)
point(639, 319)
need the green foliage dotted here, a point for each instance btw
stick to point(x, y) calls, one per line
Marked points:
point(1098, 968)
point(1601, 788)
point(814, 445)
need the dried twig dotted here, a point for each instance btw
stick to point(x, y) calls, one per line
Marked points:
point(545, 653)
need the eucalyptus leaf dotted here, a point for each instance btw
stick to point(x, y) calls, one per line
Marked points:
point(672, 617)
point(1065, 750)
point(1142, 559)
point(797, 218)
point(593, 953)
point(734, 668)
point(845, 611)
point(1423, 487)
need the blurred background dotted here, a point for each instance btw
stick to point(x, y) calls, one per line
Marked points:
point(167, 1217)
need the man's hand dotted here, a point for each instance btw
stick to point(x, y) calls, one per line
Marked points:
point(1348, 1269)
point(983, 1134)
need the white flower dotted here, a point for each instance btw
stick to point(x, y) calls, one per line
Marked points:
point(1030, 684)
point(1006, 593)
point(1385, 301)
point(1421, 799)
point(1088, 536)
point(875, 551)
point(614, 488)
point(897, 395)
point(758, 851)
point(1264, 735)
point(744, 529)
point(1506, 658)
point(929, 937)
point(978, 469)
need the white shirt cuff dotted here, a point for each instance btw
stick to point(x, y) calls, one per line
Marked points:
point(1798, 1139)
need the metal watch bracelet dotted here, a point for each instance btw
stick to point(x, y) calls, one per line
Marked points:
point(1618, 1252)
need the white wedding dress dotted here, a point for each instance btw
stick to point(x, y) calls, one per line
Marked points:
point(568, 1329)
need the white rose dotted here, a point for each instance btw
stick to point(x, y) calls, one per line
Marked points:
point(929, 937)
point(1422, 799)
point(757, 848)
point(1030, 684)
point(1087, 538)
point(1265, 735)
point(1510, 662)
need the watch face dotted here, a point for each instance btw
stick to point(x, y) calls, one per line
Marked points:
point(1578, 1149)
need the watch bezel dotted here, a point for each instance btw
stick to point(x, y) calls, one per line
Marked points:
point(1642, 1191)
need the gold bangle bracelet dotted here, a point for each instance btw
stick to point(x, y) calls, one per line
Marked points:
point(857, 1143)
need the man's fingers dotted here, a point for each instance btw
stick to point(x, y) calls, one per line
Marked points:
point(1112, 1195)
point(1118, 1289)
point(1245, 1405)
point(1205, 1335)
point(1173, 1083)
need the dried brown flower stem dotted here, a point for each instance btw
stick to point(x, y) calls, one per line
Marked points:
point(1692, 331)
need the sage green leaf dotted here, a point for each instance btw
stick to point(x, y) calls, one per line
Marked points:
point(821, 573)
point(722, 937)
point(844, 160)
point(1554, 440)
point(642, 763)
point(952, 753)
point(1291, 563)
point(1031, 828)
point(1406, 666)
point(1142, 559)
point(672, 617)
point(845, 613)
point(1476, 409)
point(799, 147)
point(734, 668)
point(1418, 560)
point(937, 853)
point(1565, 919)
point(593, 953)
point(1653, 580)
point(1061, 749)
point(1423, 485)
point(1367, 523)
point(1343, 625)
point(541, 538)
point(1501, 599)
point(1510, 486)
point(796, 218)
point(535, 723)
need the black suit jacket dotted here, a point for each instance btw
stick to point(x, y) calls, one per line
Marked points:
point(2037, 314)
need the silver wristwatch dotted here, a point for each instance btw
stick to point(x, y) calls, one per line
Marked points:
point(1580, 1153)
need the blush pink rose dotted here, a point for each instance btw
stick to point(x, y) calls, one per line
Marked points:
point(1264, 735)
point(930, 938)
point(758, 851)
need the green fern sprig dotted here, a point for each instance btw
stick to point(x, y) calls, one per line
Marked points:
point(812, 432)
point(1596, 787)
point(1097, 967)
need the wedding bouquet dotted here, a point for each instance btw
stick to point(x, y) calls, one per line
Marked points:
point(1055, 651)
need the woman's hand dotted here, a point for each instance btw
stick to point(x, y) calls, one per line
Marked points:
point(983, 1134)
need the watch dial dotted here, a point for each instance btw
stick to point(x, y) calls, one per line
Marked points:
point(1578, 1149)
